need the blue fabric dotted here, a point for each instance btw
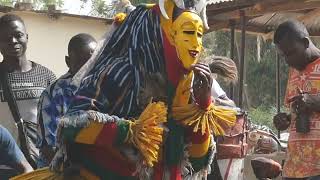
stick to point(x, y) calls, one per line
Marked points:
point(53, 103)
point(10, 152)
point(113, 84)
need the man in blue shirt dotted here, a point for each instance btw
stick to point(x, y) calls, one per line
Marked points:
point(55, 99)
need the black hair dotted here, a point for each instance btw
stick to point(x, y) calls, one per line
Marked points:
point(77, 41)
point(290, 29)
point(8, 18)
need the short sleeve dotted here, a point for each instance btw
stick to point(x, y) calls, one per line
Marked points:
point(51, 77)
point(216, 90)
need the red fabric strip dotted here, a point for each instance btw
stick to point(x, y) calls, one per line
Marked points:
point(158, 171)
point(174, 66)
point(196, 138)
point(110, 160)
point(175, 173)
point(107, 135)
point(204, 104)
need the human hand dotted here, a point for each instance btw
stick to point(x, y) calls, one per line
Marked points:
point(202, 84)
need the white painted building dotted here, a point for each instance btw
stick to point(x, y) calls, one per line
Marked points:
point(50, 31)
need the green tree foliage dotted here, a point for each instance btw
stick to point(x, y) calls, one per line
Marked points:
point(260, 75)
point(6, 2)
point(260, 78)
point(136, 2)
point(100, 8)
point(263, 115)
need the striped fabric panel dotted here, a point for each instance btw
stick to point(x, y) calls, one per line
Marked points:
point(113, 133)
point(199, 143)
point(89, 134)
point(199, 150)
point(134, 48)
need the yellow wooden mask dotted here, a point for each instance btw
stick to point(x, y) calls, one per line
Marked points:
point(187, 31)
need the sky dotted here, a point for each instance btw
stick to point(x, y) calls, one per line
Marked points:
point(74, 7)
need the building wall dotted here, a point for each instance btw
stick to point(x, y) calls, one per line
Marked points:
point(48, 37)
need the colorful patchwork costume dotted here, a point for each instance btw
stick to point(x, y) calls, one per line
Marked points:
point(134, 115)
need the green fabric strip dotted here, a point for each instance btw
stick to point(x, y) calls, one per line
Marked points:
point(171, 91)
point(175, 140)
point(122, 132)
point(199, 163)
point(70, 133)
point(174, 143)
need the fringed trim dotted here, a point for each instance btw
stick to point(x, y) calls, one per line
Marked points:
point(145, 172)
point(76, 119)
point(212, 153)
point(146, 134)
point(214, 118)
point(58, 160)
point(187, 169)
point(83, 119)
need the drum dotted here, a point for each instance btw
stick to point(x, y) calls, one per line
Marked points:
point(234, 143)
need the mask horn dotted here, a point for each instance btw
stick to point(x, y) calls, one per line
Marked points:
point(162, 9)
point(203, 15)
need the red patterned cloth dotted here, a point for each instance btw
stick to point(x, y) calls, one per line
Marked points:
point(303, 158)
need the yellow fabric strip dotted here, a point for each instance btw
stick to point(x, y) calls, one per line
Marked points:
point(84, 173)
point(182, 95)
point(89, 134)
point(199, 150)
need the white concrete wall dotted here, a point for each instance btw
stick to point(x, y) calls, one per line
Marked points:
point(48, 38)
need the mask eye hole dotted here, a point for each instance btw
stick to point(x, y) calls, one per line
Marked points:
point(199, 35)
point(189, 32)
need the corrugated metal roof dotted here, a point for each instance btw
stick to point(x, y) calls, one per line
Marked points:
point(270, 21)
point(217, 1)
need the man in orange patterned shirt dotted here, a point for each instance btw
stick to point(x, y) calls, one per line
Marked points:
point(302, 96)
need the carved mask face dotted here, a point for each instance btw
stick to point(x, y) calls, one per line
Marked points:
point(187, 31)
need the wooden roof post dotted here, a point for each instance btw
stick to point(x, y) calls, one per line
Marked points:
point(278, 86)
point(242, 54)
point(232, 35)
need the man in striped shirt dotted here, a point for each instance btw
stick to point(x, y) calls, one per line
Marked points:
point(27, 80)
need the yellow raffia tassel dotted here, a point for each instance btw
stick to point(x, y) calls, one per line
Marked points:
point(46, 174)
point(39, 174)
point(119, 18)
point(214, 118)
point(146, 132)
